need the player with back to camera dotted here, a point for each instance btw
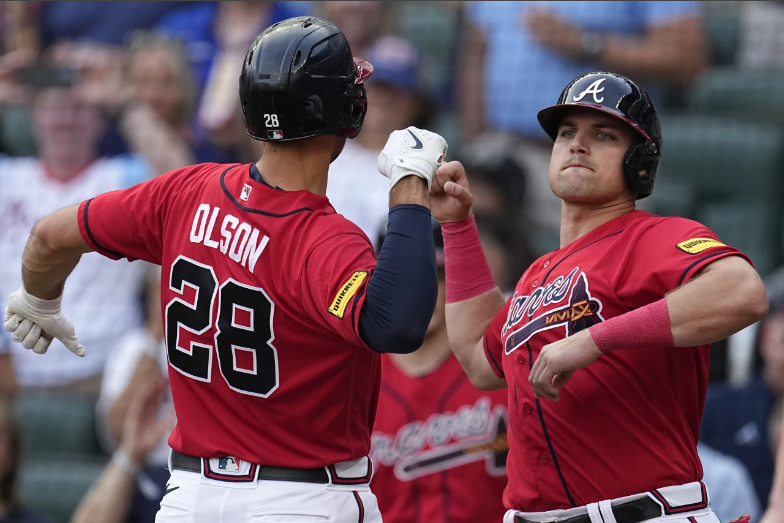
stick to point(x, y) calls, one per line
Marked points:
point(275, 309)
point(604, 345)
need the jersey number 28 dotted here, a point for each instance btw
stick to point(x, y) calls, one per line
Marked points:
point(196, 361)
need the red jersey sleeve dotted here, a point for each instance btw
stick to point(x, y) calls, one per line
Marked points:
point(129, 223)
point(334, 279)
point(493, 341)
point(666, 256)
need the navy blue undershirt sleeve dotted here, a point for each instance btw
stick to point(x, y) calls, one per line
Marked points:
point(403, 289)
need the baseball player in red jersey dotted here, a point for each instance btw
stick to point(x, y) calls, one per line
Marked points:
point(275, 308)
point(604, 345)
point(439, 445)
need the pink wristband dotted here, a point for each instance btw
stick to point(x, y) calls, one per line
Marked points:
point(467, 272)
point(647, 326)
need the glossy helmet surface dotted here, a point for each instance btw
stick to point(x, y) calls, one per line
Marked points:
point(617, 96)
point(300, 80)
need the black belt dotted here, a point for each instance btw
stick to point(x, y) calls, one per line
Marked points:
point(193, 464)
point(630, 512)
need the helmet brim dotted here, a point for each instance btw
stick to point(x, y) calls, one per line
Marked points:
point(550, 117)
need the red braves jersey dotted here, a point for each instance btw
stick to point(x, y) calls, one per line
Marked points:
point(261, 291)
point(439, 447)
point(629, 422)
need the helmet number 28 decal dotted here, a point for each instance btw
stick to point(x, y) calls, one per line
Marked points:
point(271, 120)
point(243, 325)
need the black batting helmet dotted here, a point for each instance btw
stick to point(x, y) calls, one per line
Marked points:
point(617, 96)
point(300, 80)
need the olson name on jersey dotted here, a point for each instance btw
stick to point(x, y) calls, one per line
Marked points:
point(238, 239)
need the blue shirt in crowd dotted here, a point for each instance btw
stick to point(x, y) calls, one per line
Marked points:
point(100, 22)
point(735, 422)
point(522, 77)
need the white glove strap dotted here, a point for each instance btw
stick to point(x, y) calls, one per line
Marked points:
point(39, 305)
point(413, 166)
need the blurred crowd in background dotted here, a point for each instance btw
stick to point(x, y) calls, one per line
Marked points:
point(99, 96)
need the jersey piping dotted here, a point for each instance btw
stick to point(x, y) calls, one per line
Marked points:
point(250, 209)
point(90, 234)
point(689, 268)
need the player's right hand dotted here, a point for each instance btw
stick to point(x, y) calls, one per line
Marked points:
point(412, 152)
point(450, 197)
point(33, 322)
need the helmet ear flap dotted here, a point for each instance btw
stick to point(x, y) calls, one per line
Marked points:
point(641, 157)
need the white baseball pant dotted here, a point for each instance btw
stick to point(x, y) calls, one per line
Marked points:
point(192, 497)
point(689, 503)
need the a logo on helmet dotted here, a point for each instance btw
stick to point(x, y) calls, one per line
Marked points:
point(593, 89)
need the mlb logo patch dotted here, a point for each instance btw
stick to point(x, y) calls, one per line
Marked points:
point(229, 468)
point(245, 192)
point(229, 464)
point(277, 134)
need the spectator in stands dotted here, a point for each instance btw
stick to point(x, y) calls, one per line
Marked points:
point(730, 486)
point(11, 510)
point(140, 359)
point(775, 512)
point(7, 378)
point(737, 420)
point(67, 171)
point(355, 187)
point(158, 124)
point(361, 22)
point(204, 28)
point(149, 92)
point(439, 444)
point(235, 26)
point(110, 498)
point(530, 50)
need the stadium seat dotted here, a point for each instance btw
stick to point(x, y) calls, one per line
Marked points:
point(53, 423)
point(744, 226)
point(741, 94)
point(721, 23)
point(728, 160)
point(53, 486)
point(734, 168)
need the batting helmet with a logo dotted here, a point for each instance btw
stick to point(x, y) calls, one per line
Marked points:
point(617, 96)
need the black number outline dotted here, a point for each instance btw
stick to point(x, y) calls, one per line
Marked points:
point(180, 291)
point(253, 320)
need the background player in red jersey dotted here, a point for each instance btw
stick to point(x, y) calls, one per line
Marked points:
point(439, 445)
point(615, 325)
point(275, 309)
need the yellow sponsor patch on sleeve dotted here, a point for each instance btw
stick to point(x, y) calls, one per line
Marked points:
point(346, 292)
point(696, 245)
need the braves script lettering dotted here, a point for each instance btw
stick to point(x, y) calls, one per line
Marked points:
point(445, 440)
point(579, 313)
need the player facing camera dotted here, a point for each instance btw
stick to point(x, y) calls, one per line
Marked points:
point(605, 343)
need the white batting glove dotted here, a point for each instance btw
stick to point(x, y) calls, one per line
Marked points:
point(33, 322)
point(412, 152)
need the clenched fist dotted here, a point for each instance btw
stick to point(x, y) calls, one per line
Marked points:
point(412, 152)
